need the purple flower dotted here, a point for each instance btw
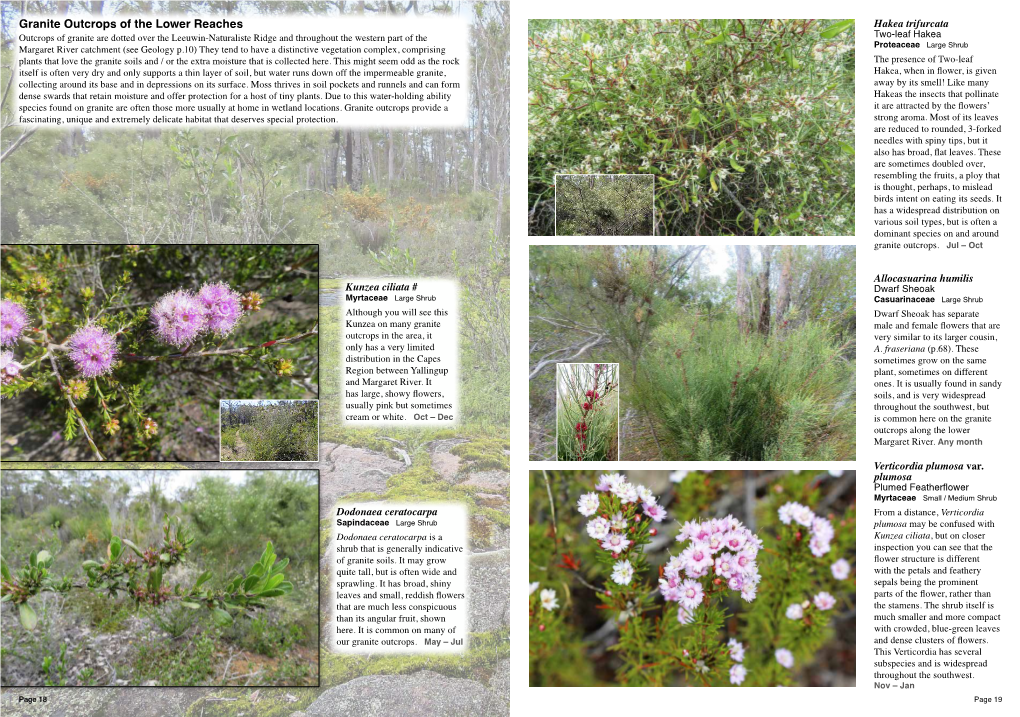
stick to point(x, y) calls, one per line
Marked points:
point(179, 318)
point(13, 320)
point(9, 368)
point(222, 307)
point(93, 350)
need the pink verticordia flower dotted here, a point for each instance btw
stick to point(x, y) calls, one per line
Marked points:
point(736, 650)
point(9, 368)
point(607, 481)
point(93, 350)
point(623, 572)
point(655, 512)
point(784, 657)
point(795, 611)
point(737, 674)
point(618, 522)
point(178, 317)
point(13, 320)
point(222, 307)
point(598, 528)
point(726, 565)
point(824, 601)
point(841, 569)
point(548, 599)
point(749, 591)
point(588, 504)
point(615, 543)
point(684, 616)
point(691, 593)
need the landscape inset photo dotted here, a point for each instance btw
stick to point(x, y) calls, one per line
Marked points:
point(605, 204)
point(269, 431)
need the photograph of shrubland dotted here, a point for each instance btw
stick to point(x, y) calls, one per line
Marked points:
point(726, 353)
point(693, 578)
point(123, 351)
point(159, 577)
point(604, 204)
point(747, 125)
point(269, 431)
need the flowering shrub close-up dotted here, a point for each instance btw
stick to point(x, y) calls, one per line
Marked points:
point(665, 585)
point(124, 352)
point(747, 125)
point(587, 420)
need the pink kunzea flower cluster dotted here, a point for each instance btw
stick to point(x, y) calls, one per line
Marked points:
point(723, 547)
point(821, 529)
point(92, 350)
point(13, 320)
point(611, 530)
point(180, 317)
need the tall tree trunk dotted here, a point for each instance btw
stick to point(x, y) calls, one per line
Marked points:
point(389, 158)
point(765, 314)
point(349, 159)
point(743, 289)
point(785, 280)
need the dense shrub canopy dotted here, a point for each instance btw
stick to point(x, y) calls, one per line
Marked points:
point(748, 125)
point(742, 353)
point(604, 205)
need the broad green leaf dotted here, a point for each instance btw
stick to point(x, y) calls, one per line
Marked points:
point(222, 617)
point(585, 37)
point(757, 223)
point(202, 578)
point(114, 549)
point(191, 605)
point(278, 568)
point(27, 616)
point(722, 37)
point(846, 148)
point(695, 119)
point(835, 29)
point(135, 548)
point(273, 582)
point(250, 582)
point(736, 167)
point(599, 105)
point(43, 558)
point(711, 179)
point(4, 570)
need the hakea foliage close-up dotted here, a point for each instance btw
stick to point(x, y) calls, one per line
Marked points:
point(143, 575)
point(747, 125)
point(727, 605)
point(588, 417)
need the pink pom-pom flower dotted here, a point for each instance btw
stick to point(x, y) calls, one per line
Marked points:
point(92, 350)
point(178, 318)
point(13, 320)
point(222, 307)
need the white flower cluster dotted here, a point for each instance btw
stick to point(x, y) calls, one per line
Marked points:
point(611, 531)
point(821, 529)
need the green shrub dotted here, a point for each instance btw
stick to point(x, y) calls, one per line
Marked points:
point(724, 396)
point(747, 125)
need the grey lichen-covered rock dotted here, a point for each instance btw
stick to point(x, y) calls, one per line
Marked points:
point(100, 702)
point(499, 683)
point(488, 481)
point(489, 590)
point(417, 695)
point(345, 470)
point(447, 465)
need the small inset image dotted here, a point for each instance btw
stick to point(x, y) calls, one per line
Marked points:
point(587, 412)
point(605, 204)
point(269, 431)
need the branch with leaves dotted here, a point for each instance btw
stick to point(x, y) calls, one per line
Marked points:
point(142, 575)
